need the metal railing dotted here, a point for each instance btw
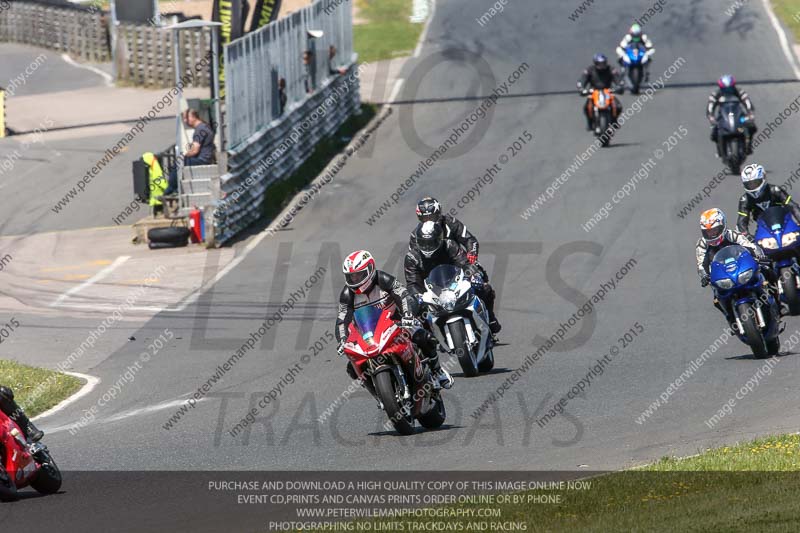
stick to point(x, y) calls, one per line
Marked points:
point(272, 70)
point(285, 94)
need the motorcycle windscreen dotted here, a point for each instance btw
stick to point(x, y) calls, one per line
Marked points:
point(773, 218)
point(366, 320)
point(729, 256)
point(444, 277)
point(727, 108)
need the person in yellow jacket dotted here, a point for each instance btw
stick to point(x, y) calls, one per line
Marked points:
point(157, 182)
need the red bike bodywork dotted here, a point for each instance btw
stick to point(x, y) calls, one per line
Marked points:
point(15, 454)
point(378, 344)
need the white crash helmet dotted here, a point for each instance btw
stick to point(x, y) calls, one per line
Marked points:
point(754, 179)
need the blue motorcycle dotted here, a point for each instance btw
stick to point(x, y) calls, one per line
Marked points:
point(777, 234)
point(634, 60)
point(740, 288)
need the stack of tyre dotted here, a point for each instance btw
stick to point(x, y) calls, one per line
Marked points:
point(173, 237)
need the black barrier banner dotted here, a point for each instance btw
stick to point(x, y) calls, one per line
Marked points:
point(232, 14)
point(265, 12)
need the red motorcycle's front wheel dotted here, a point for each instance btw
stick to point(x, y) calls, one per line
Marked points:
point(391, 394)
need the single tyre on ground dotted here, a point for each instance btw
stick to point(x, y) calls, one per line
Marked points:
point(463, 350)
point(388, 391)
point(754, 337)
point(172, 235)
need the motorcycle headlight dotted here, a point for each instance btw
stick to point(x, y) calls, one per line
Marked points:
point(724, 284)
point(770, 243)
point(745, 276)
point(789, 239)
point(447, 299)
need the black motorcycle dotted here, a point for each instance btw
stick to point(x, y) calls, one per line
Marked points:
point(732, 134)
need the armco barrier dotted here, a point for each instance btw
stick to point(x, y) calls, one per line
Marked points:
point(277, 151)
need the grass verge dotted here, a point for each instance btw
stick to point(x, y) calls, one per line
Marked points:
point(789, 13)
point(25, 381)
point(279, 194)
point(748, 487)
point(387, 32)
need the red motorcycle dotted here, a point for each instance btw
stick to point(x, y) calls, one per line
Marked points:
point(382, 351)
point(24, 464)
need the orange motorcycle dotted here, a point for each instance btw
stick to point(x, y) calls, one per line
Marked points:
point(602, 107)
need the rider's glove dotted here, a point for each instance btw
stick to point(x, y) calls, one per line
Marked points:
point(472, 257)
point(704, 280)
point(409, 322)
point(477, 280)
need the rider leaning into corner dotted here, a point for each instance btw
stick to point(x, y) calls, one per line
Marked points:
point(430, 249)
point(636, 36)
point(599, 75)
point(726, 91)
point(366, 285)
point(15, 413)
point(760, 196)
point(716, 236)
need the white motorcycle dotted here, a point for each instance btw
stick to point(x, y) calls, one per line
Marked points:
point(459, 319)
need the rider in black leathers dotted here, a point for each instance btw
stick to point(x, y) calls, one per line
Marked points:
point(15, 413)
point(365, 285)
point(600, 76)
point(430, 250)
point(728, 90)
point(760, 196)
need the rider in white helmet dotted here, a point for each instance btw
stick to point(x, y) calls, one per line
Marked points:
point(760, 196)
point(635, 36)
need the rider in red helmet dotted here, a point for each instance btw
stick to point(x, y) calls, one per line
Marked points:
point(366, 285)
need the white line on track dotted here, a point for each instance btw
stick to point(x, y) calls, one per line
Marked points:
point(170, 404)
point(91, 383)
point(787, 50)
point(94, 279)
point(424, 36)
point(105, 75)
point(398, 84)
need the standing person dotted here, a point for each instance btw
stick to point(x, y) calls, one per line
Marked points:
point(201, 151)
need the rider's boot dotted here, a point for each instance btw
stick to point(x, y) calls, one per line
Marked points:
point(728, 316)
point(427, 345)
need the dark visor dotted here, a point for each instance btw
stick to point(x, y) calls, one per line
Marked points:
point(354, 279)
point(752, 185)
point(713, 233)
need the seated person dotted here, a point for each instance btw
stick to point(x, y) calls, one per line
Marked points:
point(201, 151)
